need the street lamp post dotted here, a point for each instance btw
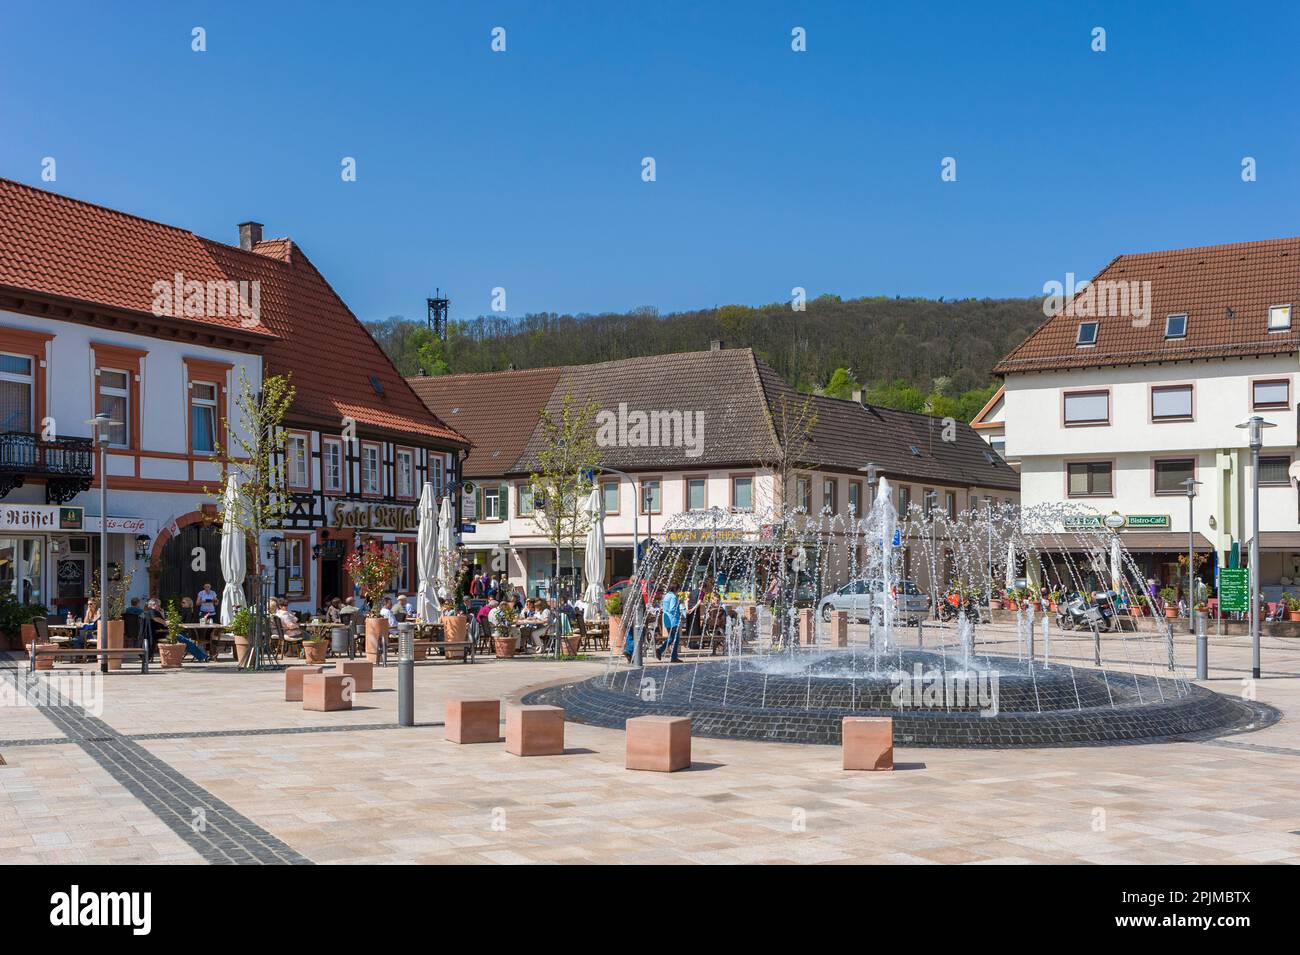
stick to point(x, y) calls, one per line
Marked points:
point(1255, 426)
point(1191, 485)
point(102, 424)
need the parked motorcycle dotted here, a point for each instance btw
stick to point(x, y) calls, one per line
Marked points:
point(1099, 614)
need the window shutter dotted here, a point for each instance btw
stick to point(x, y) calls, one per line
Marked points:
point(478, 503)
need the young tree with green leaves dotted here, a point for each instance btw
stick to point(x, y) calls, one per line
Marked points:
point(563, 479)
point(254, 455)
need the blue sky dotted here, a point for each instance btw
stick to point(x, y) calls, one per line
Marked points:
point(775, 169)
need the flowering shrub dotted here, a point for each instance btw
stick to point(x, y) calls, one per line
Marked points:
point(373, 567)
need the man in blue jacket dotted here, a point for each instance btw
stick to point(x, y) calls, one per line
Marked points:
point(672, 618)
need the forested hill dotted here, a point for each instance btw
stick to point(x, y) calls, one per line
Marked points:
point(917, 354)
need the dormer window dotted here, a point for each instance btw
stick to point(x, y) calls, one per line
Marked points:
point(1087, 334)
point(1279, 318)
point(1176, 326)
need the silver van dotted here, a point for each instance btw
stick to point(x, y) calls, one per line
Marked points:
point(863, 600)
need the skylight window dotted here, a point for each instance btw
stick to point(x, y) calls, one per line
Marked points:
point(1279, 318)
point(1087, 334)
point(377, 385)
point(1176, 326)
point(916, 452)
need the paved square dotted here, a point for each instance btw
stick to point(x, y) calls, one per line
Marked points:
point(208, 764)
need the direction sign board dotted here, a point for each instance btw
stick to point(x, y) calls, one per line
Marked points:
point(1233, 589)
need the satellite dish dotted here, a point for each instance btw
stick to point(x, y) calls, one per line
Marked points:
point(1294, 471)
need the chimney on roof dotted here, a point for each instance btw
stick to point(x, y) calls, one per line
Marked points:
point(857, 395)
point(250, 233)
point(716, 345)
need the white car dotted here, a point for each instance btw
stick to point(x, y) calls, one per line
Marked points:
point(863, 600)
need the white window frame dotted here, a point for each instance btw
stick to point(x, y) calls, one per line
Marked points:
point(293, 475)
point(405, 478)
point(1078, 336)
point(124, 394)
point(377, 488)
point(29, 380)
point(1276, 327)
point(332, 456)
point(1169, 321)
point(196, 401)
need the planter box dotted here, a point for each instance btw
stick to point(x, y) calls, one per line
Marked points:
point(455, 629)
point(314, 651)
point(172, 655)
point(376, 633)
point(45, 662)
point(115, 639)
point(616, 633)
point(505, 647)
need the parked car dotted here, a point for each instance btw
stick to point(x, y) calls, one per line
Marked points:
point(863, 600)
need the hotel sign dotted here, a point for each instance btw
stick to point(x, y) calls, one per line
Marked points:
point(41, 517)
point(374, 517)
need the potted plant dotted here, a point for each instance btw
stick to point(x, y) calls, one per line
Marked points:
point(119, 584)
point(1013, 602)
point(1054, 600)
point(1138, 608)
point(171, 650)
point(313, 649)
point(505, 644)
point(1292, 606)
point(1170, 597)
point(373, 567)
point(241, 628)
point(614, 607)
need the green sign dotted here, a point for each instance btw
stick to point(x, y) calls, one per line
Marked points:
point(1146, 520)
point(1076, 521)
point(1233, 588)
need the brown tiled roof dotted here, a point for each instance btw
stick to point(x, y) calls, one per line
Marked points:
point(496, 410)
point(739, 399)
point(903, 445)
point(64, 247)
point(1225, 290)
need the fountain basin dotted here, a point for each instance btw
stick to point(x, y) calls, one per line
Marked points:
point(998, 703)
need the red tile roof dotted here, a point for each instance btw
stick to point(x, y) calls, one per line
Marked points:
point(1225, 291)
point(64, 247)
point(496, 410)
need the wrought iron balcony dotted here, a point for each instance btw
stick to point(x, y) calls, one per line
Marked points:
point(67, 465)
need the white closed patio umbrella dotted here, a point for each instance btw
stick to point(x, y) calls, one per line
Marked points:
point(234, 554)
point(446, 577)
point(593, 563)
point(426, 547)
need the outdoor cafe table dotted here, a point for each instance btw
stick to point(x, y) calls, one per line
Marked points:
point(205, 635)
point(64, 632)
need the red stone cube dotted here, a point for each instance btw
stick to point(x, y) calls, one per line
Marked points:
point(868, 742)
point(659, 744)
point(361, 671)
point(473, 721)
point(293, 682)
point(326, 692)
point(535, 730)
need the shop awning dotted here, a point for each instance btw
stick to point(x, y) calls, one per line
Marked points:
point(1278, 540)
point(1138, 542)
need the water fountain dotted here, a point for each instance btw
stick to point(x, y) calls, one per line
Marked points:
point(982, 680)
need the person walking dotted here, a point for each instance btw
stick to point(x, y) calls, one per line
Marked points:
point(672, 618)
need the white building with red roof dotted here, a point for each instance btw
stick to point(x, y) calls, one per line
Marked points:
point(101, 310)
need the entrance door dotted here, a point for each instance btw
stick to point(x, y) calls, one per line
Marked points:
point(331, 576)
point(190, 559)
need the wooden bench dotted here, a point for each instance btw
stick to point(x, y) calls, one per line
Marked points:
point(423, 648)
point(123, 652)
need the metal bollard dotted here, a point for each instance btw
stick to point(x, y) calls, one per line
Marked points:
point(1202, 649)
point(406, 675)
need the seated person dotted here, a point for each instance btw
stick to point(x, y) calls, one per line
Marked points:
point(89, 626)
point(158, 624)
point(334, 612)
point(448, 609)
point(386, 611)
point(292, 628)
point(189, 612)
